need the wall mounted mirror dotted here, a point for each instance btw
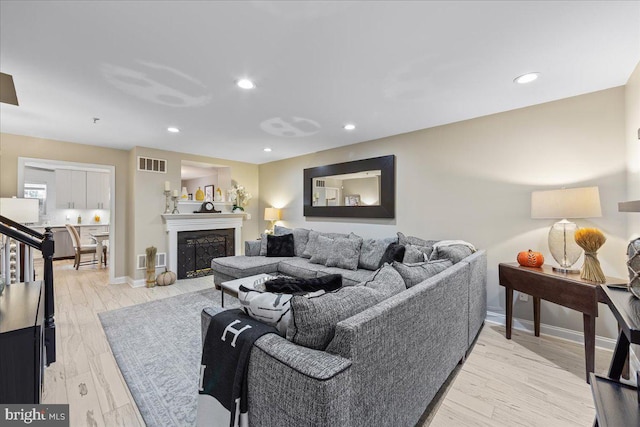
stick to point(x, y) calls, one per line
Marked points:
point(358, 189)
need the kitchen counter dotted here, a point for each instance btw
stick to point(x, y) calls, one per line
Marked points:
point(93, 224)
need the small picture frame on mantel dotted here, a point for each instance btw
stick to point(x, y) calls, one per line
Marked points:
point(208, 192)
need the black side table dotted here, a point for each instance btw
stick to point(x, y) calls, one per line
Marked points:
point(618, 404)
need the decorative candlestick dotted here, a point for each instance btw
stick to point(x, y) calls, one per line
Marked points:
point(175, 205)
point(167, 196)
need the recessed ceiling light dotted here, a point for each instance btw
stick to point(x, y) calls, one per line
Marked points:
point(173, 129)
point(267, 149)
point(349, 126)
point(246, 84)
point(526, 78)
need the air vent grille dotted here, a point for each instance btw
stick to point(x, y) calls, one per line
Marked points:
point(161, 261)
point(320, 183)
point(152, 165)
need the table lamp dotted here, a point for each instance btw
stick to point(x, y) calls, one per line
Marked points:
point(273, 215)
point(563, 204)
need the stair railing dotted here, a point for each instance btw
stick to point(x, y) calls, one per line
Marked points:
point(10, 229)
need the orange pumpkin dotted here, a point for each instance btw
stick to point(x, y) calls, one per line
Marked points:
point(530, 258)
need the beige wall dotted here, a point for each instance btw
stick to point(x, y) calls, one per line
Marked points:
point(14, 146)
point(472, 180)
point(632, 132)
point(149, 202)
point(139, 197)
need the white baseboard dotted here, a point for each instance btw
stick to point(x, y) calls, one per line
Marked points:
point(118, 280)
point(554, 331)
point(140, 283)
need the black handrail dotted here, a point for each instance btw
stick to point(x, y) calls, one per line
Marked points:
point(45, 244)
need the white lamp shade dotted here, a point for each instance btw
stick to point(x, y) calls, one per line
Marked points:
point(271, 214)
point(566, 203)
point(20, 210)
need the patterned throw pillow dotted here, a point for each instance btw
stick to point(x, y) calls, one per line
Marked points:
point(270, 308)
point(280, 246)
point(372, 251)
point(322, 251)
point(416, 273)
point(345, 253)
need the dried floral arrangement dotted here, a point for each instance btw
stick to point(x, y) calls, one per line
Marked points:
point(591, 239)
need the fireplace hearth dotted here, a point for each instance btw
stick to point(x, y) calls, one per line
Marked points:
point(196, 249)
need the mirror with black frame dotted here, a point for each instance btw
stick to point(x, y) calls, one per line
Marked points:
point(357, 189)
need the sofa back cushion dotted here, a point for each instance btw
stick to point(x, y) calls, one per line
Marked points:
point(416, 273)
point(371, 252)
point(322, 250)
point(314, 318)
point(451, 250)
point(413, 253)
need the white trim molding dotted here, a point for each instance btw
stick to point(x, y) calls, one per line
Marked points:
point(199, 221)
point(554, 331)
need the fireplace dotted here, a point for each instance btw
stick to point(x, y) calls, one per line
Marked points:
point(208, 223)
point(196, 249)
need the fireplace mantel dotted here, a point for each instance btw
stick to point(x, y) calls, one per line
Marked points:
point(199, 221)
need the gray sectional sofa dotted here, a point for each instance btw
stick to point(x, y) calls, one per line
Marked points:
point(383, 365)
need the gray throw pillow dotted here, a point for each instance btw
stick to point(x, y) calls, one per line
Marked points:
point(279, 230)
point(315, 318)
point(312, 243)
point(323, 249)
point(454, 253)
point(300, 239)
point(416, 241)
point(345, 253)
point(371, 252)
point(386, 280)
point(413, 253)
point(416, 273)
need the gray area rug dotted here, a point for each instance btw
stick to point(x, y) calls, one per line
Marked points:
point(157, 346)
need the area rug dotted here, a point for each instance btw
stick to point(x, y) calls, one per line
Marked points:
point(157, 347)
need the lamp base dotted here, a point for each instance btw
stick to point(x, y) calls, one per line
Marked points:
point(566, 270)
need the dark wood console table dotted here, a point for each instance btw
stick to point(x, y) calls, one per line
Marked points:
point(567, 290)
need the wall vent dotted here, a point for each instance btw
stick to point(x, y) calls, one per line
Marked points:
point(319, 182)
point(152, 165)
point(161, 261)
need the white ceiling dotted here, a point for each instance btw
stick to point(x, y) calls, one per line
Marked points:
point(389, 67)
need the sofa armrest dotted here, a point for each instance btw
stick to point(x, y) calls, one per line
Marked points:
point(315, 364)
point(291, 385)
point(252, 247)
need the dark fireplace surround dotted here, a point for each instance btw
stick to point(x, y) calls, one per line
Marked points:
point(196, 249)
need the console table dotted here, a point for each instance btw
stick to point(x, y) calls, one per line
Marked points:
point(567, 290)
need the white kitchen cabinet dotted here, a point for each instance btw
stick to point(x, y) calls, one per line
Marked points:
point(97, 190)
point(71, 189)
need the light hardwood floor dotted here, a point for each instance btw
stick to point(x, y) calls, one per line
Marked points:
point(526, 381)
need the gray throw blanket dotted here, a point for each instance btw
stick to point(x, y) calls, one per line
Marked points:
point(222, 399)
